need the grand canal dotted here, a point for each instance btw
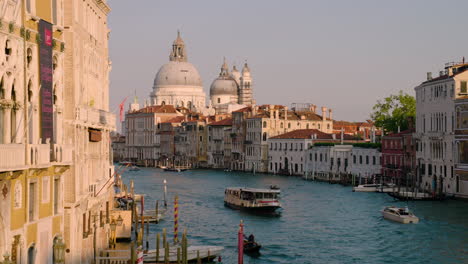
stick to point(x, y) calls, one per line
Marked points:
point(320, 223)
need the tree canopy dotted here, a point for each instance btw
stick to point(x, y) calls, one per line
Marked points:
point(394, 111)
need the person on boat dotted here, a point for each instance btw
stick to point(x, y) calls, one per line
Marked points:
point(251, 238)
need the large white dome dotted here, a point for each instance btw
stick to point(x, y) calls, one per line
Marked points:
point(177, 73)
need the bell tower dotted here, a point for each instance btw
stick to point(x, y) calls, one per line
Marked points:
point(178, 49)
point(245, 90)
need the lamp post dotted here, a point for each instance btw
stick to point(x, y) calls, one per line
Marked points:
point(59, 251)
point(113, 226)
point(6, 257)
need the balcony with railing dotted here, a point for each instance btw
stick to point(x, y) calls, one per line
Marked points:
point(96, 118)
point(12, 157)
point(61, 154)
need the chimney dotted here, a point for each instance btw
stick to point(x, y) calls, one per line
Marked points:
point(450, 71)
point(324, 113)
point(271, 111)
point(313, 108)
point(330, 114)
point(333, 136)
point(285, 113)
point(429, 76)
point(373, 135)
point(254, 110)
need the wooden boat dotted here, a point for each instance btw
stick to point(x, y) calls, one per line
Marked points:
point(415, 196)
point(150, 216)
point(400, 215)
point(258, 200)
point(251, 247)
point(205, 252)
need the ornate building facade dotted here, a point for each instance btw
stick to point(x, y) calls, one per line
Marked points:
point(34, 152)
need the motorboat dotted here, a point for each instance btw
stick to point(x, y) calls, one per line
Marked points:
point(400, 215)
point(259, 200)
point(387, 188)
point(193, 252)
point(366, 188)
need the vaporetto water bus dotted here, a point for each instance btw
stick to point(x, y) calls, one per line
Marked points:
point(261, 200)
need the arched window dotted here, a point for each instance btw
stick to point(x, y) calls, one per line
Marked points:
point(54, 63)
point(318, 126)
point(163, 103)
point(264, 124)
point(281, 125)
point(31, 255)
point(264, 136)
point(13, 115)
point(219, 100)
point(29, 56)
point(289, 125)
point(307, 126)
point(8, 50)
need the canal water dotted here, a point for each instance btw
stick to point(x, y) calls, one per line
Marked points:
point(319, 223)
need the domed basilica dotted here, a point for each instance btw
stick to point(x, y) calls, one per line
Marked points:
point(178, 83)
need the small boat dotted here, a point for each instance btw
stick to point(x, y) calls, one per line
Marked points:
point(386, 188)
point(208, 253)
point(366, 188)
point(258, 200)
point(134, 168)
point(274, 187)
point(174, 169)
point(251, 247)
point(400, 215)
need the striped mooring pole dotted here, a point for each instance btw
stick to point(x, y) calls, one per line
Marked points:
point(240, 243)
point(176, 218)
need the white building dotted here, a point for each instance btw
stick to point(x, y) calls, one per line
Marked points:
point(435, 127)
point(330, 161)
point(178, 82)
point(461, 143)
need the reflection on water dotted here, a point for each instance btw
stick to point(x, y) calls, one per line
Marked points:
point(319, 223)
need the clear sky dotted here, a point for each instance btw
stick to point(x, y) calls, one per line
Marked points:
point(341, 54)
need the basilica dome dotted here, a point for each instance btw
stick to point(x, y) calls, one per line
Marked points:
point(223, 86)
point(178, 82)
point(178, 73)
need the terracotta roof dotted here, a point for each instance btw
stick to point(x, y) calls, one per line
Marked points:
point(176, 119)
point(245, 109)
point(224, 122)
point(460, 69)
point(304, 133)
point(157, 109)
point(408, 131)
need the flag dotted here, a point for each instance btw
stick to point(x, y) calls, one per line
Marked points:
point(121, 108)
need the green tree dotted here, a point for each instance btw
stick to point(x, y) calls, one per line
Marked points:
point(394, 111)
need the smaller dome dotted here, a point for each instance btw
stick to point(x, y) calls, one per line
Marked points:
point(223, 86)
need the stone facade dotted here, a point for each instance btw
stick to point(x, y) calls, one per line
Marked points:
point(435, 129)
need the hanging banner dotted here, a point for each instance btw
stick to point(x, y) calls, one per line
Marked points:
point(45, 73)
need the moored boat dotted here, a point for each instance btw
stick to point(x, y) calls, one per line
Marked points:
point(401, 215)
point(259, 200)
point(366, 188)
point(193, 252)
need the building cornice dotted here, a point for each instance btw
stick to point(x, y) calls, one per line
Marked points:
point(103, 6)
